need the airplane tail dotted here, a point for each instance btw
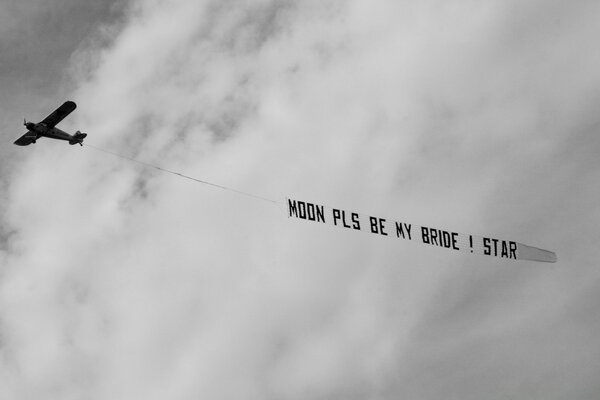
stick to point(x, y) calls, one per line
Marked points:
point(78, 138)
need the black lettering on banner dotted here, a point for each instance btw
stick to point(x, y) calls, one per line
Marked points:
point(513, 250)
point(303, 210)
point(454, 239)
point(425, 234)
point(509, 249)
point(491, 248)
point(336, 216)
point(382, 226)
point(435, 237)
point(344, 219)
point(401, 228)
point(292, 208)
point(438, 237)
point(373, 222)
point(433, 234)
point(445, 239)
point(355, 222)
point(377, 225)
point(321, 214)
point(310, 211)
point(499, 248)
point(504, 250)
point(340, 215)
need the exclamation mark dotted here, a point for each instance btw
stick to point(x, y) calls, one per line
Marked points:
point(471, 242)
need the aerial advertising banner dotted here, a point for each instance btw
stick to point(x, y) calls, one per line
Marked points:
point(430, 236)
point(400, 230)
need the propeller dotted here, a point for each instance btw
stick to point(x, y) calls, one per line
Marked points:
point(29, 125)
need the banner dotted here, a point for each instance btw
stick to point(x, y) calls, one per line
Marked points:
point(487, 246)
point(401, 230)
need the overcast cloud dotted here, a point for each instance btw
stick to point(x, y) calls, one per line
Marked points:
point(119, 282)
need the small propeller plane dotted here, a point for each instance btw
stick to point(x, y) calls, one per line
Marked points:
point(47, 128)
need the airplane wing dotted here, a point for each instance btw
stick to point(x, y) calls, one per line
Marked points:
point(59, 114)
point(26, 139)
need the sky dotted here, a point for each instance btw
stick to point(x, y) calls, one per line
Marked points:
point(119, 281)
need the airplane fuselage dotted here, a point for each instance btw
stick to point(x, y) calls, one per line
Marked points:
point(42, 130)
point(36, 131)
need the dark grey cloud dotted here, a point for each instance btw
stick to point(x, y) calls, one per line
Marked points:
point(38, 38)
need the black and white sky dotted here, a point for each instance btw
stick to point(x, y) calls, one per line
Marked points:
point(119, 282)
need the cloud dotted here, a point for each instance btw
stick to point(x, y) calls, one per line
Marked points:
point(124, 282)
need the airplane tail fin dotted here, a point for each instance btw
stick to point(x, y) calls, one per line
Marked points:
point(78, 138)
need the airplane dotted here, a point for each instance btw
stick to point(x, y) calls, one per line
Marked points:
point(47, 127)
